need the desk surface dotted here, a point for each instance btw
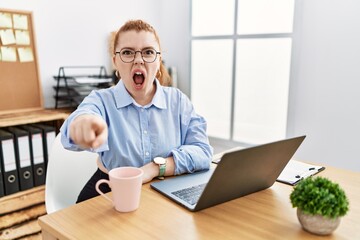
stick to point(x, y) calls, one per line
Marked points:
point(267, 214)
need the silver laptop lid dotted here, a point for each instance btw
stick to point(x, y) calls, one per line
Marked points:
point(239, 173)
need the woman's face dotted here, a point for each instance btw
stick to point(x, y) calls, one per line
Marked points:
point(138, 76)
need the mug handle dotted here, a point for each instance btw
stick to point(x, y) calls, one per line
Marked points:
point(101, 181)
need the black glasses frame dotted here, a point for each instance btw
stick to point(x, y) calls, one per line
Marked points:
point(142, 57)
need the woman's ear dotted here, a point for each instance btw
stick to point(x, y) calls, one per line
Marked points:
point(114, 60)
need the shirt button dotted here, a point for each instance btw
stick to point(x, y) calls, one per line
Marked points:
point(147, 153)
point(145, 132)
point(142, 110)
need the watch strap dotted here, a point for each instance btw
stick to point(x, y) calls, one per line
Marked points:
point(162, 166)
point(162, 169)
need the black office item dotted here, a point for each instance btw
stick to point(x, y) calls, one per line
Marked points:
point(74, 83)
point(2, 186)
point(239, 173)
point(8, 163)
point(22, 156)
point(48, 137)
point(36, 153)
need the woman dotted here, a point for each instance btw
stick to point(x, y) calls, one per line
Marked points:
point(138, 122)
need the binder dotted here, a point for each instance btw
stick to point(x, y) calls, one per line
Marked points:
point(2, 187)
point(48, 138)
point(36, 154)
point(8, 163)
point(22, 156)
point(295, 171)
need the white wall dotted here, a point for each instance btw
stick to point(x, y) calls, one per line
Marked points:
point(175, 33)
point(325, 82)
point(324, 94)
point(325, 79)
point(76, 33)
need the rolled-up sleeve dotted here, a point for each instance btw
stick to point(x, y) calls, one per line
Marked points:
point(195, 153)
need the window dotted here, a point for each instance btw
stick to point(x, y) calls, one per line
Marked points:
point(240, 67)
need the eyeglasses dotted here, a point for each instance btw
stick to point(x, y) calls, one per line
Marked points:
point(149, 55)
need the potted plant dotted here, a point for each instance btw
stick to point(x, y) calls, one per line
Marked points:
point(320, 203)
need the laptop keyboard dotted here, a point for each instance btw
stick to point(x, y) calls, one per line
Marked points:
point(190, 195)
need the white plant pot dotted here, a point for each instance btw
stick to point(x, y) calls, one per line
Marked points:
point(317, 224)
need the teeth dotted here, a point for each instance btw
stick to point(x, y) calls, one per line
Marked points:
point(138, 73)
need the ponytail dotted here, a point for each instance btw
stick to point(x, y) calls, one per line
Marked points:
point(163, 75)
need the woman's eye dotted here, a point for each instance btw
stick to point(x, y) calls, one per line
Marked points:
point(127, 52)
point(148, 52)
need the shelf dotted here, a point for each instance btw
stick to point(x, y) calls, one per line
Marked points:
point(19, 211)
point(33, 116)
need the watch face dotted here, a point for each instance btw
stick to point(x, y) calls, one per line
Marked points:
point(159, 160)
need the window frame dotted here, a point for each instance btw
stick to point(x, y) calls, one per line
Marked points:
point(234, 37)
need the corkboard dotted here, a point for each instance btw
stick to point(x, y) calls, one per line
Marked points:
point(20, 87)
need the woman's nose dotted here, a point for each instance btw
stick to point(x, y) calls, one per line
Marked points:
point(138, 58)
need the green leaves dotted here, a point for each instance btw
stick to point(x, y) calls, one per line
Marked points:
point(320, 196)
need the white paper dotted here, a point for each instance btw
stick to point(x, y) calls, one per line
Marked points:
point(7, 37)
point(296, 170)
point(8, 54)
point(217, 157)
point(20, 21)
point(9, 155)
point(50, 138)
point(24, 151)
point(22, 37)
point(37, 145)
point(25, 54)
point(5, 20)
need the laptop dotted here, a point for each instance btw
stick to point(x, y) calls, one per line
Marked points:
point(237, 174)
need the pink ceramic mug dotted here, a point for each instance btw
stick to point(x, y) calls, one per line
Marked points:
point(125, 184)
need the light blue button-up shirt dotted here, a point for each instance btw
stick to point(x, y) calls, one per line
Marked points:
point(168, 126)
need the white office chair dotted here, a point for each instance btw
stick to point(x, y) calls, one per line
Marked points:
point(67, 173)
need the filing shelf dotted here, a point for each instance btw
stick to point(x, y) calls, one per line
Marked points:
point(19, 211)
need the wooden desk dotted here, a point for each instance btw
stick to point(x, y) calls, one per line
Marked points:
point(267, 214)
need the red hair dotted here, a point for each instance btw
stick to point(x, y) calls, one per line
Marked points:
point(140, 25)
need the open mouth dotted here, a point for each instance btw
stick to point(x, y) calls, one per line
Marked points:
point(138, 78)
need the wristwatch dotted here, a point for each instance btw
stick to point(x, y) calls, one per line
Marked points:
point(162, 166)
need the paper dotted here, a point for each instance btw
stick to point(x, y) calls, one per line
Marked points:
point(296, 171)
point(7, 36)
point(9, 155)
point(217, 157)
point(20, 21)
point(25, 54)
point(22, 37)
point(5, 20)
point(24, 151)
point(8, 54)
point(50, 138)
point(37, 146)
point(83, 80)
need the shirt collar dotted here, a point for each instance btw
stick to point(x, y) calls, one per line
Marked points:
point(123, 98)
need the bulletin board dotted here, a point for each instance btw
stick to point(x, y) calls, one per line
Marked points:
point(20, 87)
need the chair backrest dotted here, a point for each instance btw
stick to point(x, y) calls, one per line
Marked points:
point(67, 173)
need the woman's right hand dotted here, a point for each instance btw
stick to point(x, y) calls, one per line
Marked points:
point(88, 131)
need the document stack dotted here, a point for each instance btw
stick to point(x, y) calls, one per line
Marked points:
point(48, 136)
point(23, 156)
point(36, 153)
point(8, 164)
